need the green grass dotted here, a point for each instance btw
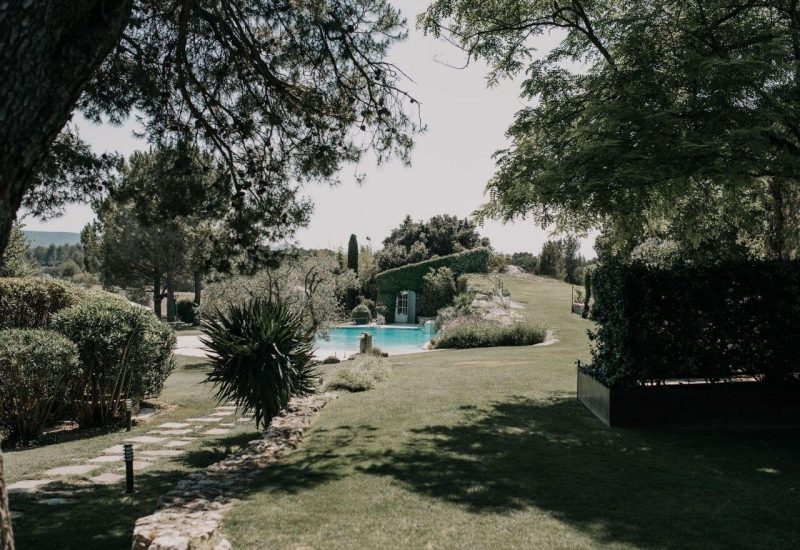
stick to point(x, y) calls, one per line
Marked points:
point(489, 448)
point(103, 517)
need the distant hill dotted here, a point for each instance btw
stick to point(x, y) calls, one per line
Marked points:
point(46, 238)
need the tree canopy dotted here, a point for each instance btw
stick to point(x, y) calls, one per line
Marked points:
point(647, 116)
point(415, 241)
point(280, 91)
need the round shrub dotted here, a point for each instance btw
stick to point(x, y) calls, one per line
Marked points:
point(124, 351)
point(261, 356)
point(361, 314)
point(35, 366)
point(361, 375)
point(185, 310)
point(31, 302)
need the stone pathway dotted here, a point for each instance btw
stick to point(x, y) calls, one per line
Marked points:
point(165, 441)
point(191, 515)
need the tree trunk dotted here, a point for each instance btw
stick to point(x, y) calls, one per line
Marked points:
point(157, 295)
point(776, 237)
point(170, 298)
point(49, 50)
point(6, 533)
point(198, 287)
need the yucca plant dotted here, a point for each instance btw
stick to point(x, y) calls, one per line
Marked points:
point(261, 357)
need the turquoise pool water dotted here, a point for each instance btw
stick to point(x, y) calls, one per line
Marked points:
point(391, 339)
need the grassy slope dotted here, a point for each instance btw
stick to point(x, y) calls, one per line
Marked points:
point(489, 448)
point(103, 517)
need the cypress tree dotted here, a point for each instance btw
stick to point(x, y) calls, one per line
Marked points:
point(352, 263)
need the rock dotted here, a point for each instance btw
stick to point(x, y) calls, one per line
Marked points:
point(514, 270)
point(190, 515)
point(481, 298)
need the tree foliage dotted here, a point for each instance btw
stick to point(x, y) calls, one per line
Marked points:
point(647, 116)
point(417, 241)
point(14, 261)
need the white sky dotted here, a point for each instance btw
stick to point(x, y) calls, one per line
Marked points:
point(451, 163)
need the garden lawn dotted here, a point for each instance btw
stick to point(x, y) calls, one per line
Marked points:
point(490, 449)
point(102, 517)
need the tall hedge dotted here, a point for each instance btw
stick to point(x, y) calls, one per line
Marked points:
point(411, 276)
point(696, 322)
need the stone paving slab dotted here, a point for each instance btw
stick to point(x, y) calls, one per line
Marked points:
point(28, 485)
point(107, 479)
point(174, 425)
point(78, 470)
point(116, 450)
point(147, 439)
point(205, 419)
point(172, 432)
point(106, 459)
point(222, 413)
point(246, 419)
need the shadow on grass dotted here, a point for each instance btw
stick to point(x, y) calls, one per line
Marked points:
point(651, 489)
point(302, 470)
point(102, 517)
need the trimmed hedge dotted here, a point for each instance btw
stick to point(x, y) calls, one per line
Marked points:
point(410, 277)
point(35, 368)
point(30, 302)
point(713, 323)
point(125, 352)
point(473, 332)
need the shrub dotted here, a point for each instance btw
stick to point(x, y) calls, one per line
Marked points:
point(362, 375)
point(185, 310)
point(31, 302)
point(438, 290)
point(410, 277)
point(360, 314)
point(472, 332)
point(35, 366)
point(711, 322)
point(262, 356)
point(124, 351)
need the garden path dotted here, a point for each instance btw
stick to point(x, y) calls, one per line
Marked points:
point(164, 441)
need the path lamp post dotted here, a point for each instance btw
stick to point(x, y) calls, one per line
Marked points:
point(127, 452)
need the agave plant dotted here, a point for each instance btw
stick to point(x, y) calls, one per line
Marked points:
point(262, 357)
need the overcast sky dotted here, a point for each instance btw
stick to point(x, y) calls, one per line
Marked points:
point(451, 162)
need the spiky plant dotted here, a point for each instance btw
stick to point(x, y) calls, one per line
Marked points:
point(261, 357)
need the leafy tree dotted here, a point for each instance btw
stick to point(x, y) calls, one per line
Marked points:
point(135, 254)
point(525, 261)
point(14, 262)
point(551, 260)
point(312, 285)
point(645, 114)
point(570, 247)
point(415, 241)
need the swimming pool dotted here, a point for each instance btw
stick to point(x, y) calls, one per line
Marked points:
point(389, 338)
